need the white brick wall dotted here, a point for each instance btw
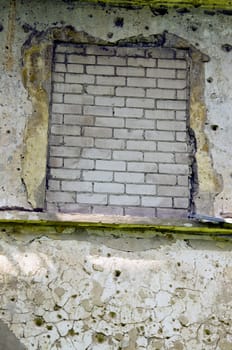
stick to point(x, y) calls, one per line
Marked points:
point(118, 134)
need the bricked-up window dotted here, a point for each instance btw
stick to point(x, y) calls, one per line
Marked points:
point(118, 140)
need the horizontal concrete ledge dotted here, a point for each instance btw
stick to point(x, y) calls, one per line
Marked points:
point(36, 223)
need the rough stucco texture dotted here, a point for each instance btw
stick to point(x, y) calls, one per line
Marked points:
point(103, 293)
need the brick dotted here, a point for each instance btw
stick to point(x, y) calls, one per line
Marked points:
point(100, 90)
point(161, 202)
point(140, 102)
point(100, 70)
point(172, 146)
point(129, 177)
point(94, 153)
point(62, 151)
point(92, 198)
point(111, 61)
point(75, 163)
point(57, 98)
point(78, 141)
point(61, 197)
point(160, 73)
point(67, 88)
point(175, 64)
point(171, 213)
point(171, 84)
point(57, 118)
point(130, 51)
point(141, 145)
point(124, 200)
point(130, 91)
point(59, 57)
point(97, 132)
point(169, 104)
point(128, 134)
point(117, 81)
point(60, 67)
point(112, 122)
point(110, 165)
point(171, 125)
point(141, 62)
point(75, 68)
point(181, 115)
point(181, 74)
point(140, 124)
point(141, 82)
point(181, 169)
point(78, 120)
point(100, 50)
point(53, 185)
point(79, 186)
point(56, 140)
point(139, 211)
point(160, 53)
point(160, 179)
point(181, 203)
point(159, 114)
point(161, 93)
point(108, 188)
point(65, 130)
point(182, 158)
point(181, 136)
point(183, 180)
point(110, 144)
point(160, 157)
point(55, 162)
point(79, 99)
point(98, 110)
point(159, 135)
point(70, 48)
point(79, 78)
point(128, 112)
point(81, 59)
point(66, 108)
point(130, 71)
point(182, 94)
point(142, 167)
point(141, 189)
point(65, 174)
point(108, 210)
point(125, 155)
point(97, 175)
point(58, 77)
point(174, 191)
point(76, 208)
point(109, 101)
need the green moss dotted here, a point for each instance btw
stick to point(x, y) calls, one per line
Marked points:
point(49, 327)
point(71, 332)
point(39, 321)
point(112, 314)
point(100, 337)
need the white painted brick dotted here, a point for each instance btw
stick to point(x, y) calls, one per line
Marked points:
point(161, 202)
point(65, 174)
point(161, 93)
point(76, 186)
point(67, 88)
point(58, 77)
point(79, 78)
point(130, 72)
point(171, 125)
point(169, 104)
point(174, 191)
point(160, 73)
point(100, 70)
point(183, 180)
point(109, 101)
point(108, 188)
point(160, 52)
point(140, 102)
point(97, 175)
point(181, 136)
point(139, 211)
point(181, 74)
point(140, 124)
point(94, 153)
point(172, 146)
point(97, 132)
point(100, 50)
point(98, 110)
point(75, 163)
point(100, 90)
point(171, 213)
point(67, 48)
point(76, 208)
point(182, 158)
point(181, 203)
point(108, 210)
point(57, 118)
point(130, 91)
point(127, 155)
point(75, 68)
point(171, 84)
point(175, 64)
point(142, 167)
point(182, 94)
point(128, 112)
point(53, 185)
point(62, 151)
point(141, 82)
point(160, 157)
point(141, 145)
point(78, 119)
point(181, 115)
point(128, 134)
point(61, 197)
point(78, 141)
point(181, 169)
point(129, 177)
point(141, 189)
point(59, 57)
point(141, 62)
point(56, 140)
point(110, 165)
point(159, 114)
point(130, 51)
point(93, 198)
point(117, 81)
point(124, 200)
point(159, 135)
point(57, 98)
point(65, 130)
point(111, 61)
point(79, 99)
point(160, 179)
point(66, 108)
point(55, 162)
point(110, 144)
point(81, 59)
point(112, 122)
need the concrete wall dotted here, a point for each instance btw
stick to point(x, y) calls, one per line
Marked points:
point(80, 291)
